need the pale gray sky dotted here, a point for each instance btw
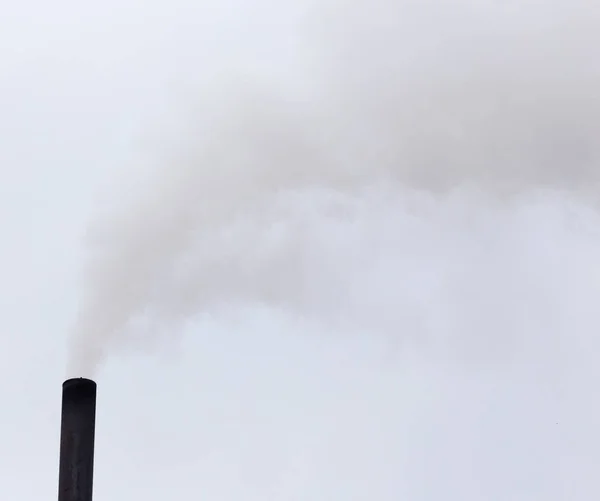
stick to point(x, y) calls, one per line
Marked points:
point(339, 325)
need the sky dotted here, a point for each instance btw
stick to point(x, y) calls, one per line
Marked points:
point(336, 250)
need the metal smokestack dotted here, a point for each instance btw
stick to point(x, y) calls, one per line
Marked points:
point(78, 425)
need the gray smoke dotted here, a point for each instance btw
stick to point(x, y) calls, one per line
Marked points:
point(449, 114)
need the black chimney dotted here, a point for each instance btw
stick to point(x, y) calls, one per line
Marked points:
point(78, 425)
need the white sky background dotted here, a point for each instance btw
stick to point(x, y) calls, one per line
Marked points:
point(441, 346)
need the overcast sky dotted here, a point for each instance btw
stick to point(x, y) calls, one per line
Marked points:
point(391, 292)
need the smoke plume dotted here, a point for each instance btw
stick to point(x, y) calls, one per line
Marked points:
point(459, 114)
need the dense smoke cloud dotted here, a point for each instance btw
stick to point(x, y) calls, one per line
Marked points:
point(284, 192)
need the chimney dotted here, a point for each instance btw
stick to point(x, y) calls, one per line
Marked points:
point(78, 424)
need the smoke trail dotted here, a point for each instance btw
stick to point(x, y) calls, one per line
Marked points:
point(405, 113)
